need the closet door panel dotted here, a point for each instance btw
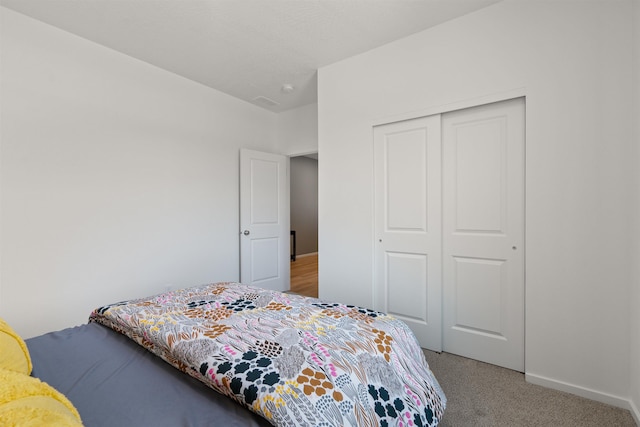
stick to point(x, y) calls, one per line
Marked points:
point(483, 233)
point(407, 277)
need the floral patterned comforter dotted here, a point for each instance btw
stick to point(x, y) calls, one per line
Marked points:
point(294, 360)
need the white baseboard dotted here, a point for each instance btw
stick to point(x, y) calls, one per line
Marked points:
point(635, 412)
point(304, 255)
point(588, 393)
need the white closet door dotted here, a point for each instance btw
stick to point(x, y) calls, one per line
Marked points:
point(483, 233)
point(408, 252)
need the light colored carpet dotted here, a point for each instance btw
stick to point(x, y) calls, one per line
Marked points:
point(484, 395)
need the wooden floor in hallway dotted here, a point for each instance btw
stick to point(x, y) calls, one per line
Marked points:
point(304, 275)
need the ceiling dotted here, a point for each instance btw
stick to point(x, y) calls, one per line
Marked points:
point(246, 48)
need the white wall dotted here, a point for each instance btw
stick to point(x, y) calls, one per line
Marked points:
point(573, 61)
point(635, 297)
point(303, 191)
point(117, 178)
point(298, 130)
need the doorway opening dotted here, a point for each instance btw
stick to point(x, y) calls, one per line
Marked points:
point(303, 192)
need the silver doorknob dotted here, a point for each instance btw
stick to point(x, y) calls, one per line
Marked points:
point(246, 232)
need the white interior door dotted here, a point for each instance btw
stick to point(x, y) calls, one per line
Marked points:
point(264, 220)
point(483, 233)
point(408, 225)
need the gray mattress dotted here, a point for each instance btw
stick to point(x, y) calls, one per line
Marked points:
point(112, 381)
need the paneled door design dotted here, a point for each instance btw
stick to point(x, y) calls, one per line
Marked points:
point(264, 220)
point(449, 230)
point(483, 233)
point(408, 226)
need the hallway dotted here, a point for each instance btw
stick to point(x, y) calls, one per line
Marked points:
point(304, 275)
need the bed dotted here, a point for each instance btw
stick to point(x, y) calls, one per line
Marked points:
point(272, 358)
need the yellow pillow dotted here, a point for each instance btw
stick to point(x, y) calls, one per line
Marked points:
point(14, 354)
point(27, 401)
